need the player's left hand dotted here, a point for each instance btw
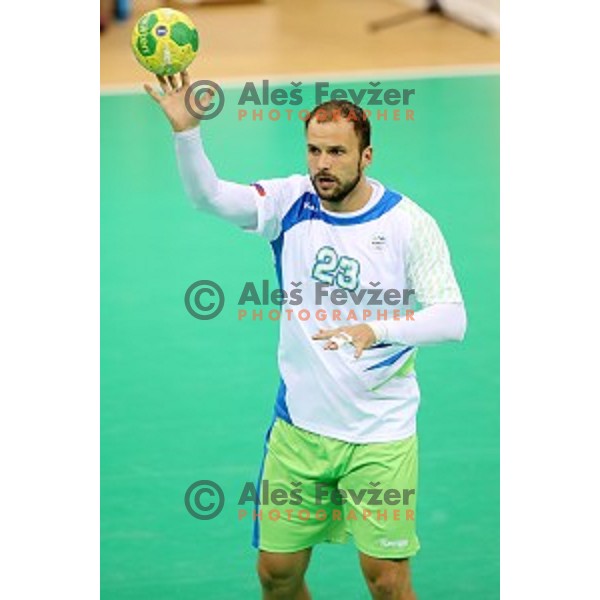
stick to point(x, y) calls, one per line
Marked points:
point(360, 336)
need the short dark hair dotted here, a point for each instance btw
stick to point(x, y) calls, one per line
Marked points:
point(336, 109)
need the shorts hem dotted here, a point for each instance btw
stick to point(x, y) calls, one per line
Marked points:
point(395, 555)
point(299, 548)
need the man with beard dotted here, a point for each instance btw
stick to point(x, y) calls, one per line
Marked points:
point(341, 451)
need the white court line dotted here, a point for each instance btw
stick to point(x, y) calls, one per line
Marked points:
point(350, 76)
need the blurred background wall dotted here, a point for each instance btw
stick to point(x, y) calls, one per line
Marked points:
point(271, 37)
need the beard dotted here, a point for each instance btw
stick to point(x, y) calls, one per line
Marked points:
point(339, 191)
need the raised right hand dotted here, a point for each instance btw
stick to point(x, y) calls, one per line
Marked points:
point(172, 100)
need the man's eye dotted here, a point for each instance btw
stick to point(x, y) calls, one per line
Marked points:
point(337, 151)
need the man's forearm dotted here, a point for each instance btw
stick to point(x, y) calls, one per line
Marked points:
point(232, 201)
point(436, 323)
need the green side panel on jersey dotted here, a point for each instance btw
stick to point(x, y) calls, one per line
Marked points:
point(406, 369)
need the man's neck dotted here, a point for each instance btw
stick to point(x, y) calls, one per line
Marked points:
point(354, 201)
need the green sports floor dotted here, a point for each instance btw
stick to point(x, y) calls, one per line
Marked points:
point(184, 399)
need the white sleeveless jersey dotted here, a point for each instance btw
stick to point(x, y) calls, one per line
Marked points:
point(393, 245)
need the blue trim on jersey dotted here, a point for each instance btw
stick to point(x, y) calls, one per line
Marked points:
point(305, 208)
point(380, 345)
point(277, 247)
point(281, 408)
point(391, 360)
point(308, 207)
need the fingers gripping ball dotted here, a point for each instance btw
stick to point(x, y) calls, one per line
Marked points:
point(165, 41)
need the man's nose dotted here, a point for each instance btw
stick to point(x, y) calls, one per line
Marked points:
point(324, 162)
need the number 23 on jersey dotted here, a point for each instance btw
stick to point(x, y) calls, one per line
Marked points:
point(329, 268)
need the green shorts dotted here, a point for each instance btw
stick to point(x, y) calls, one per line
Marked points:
point(317, 489)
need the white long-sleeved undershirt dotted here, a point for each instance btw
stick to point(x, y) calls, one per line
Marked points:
point(233, 202)
point(445, 322)
point(237, 204)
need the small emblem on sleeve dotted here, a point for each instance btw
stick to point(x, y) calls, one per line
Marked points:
point(260, 189)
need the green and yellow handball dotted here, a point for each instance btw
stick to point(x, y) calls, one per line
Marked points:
point(165, 41)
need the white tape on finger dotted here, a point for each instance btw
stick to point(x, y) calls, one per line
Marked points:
point(342, 339)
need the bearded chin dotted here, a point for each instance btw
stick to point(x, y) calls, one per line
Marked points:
point(341, 194)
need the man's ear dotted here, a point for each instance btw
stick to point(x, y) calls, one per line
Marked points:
point(367, 156)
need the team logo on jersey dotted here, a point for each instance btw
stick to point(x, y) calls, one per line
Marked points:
point(378, 242)
point(308, 206)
